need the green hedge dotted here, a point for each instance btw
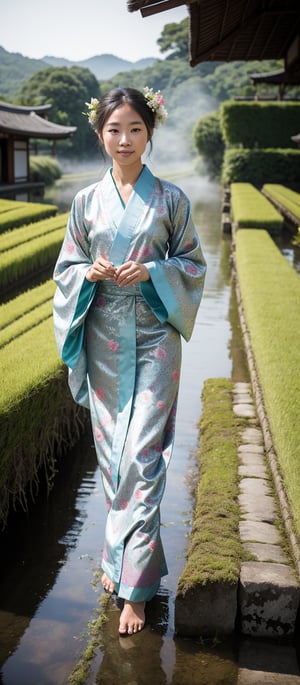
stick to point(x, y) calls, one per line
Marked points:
point(21, 262)
point(16, 236)
point(44, 169)
point(262, 166)
point(260, 124)
point(250, 208)
point(285, 198)
point(24, 213)
point(209, 142)
point(270, 290)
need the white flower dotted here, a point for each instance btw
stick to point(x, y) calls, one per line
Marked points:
point(92, 110)
point(156, 102)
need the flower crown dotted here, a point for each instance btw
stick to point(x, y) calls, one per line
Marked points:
point(154, 100)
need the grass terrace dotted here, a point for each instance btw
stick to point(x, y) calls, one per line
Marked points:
point(270, 291)
point(15, 237)
point(250, 209)
point(14, 214)
point(285, 199)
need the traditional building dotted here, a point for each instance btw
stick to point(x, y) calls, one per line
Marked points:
point(18, 125)
point(226, 30)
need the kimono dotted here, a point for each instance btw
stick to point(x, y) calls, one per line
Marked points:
point(123, 350)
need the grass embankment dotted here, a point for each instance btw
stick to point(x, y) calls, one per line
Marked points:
point(38, 418)
point(270, 291)
point(287, 200)
point(29, 249)
point(250, 209)
point(14, 214)
point(215, 551)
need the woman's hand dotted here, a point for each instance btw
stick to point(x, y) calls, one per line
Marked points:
point(131, 273)
point(101, 270)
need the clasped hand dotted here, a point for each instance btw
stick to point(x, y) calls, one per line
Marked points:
point(129, 273)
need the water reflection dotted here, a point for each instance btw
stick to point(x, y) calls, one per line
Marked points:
point(49, 556)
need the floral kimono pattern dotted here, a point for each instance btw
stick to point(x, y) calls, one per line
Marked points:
point(123, 350)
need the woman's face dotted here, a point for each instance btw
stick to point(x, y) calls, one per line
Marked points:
point(124, 135)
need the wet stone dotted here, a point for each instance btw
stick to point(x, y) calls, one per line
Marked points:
point(254, 487)
point(206, 610)
point(258, 509)
point(244, 410)
point(261, 664)
point(240, 398)
point(268, 599)
point(252, 435)
point(242, 387)
point(250, 448)
point(252, 677)
point(266, 552)
point(258, 531)
point(253, 469)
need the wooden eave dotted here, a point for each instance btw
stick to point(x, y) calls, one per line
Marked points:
point(229, 30)
point(34, 126)
point(24, 121)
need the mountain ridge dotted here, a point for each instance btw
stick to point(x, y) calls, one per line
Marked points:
point(16, 69)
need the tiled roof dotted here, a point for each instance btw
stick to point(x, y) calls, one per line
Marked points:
point(24, 120)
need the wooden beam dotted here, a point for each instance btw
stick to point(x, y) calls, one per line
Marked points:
point(160, 6)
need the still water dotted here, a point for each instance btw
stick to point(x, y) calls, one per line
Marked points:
point(50, 556)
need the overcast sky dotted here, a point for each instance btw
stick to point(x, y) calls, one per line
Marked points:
point(78, 30)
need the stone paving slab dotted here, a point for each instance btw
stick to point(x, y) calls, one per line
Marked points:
point(255, 487)
point(252, 435)
point(251, 448)
point(264, 551)
point(258, 531)
point(244, 410)
point(249, 677)
point(268, 599)
point(253, 470)
point(256, 508)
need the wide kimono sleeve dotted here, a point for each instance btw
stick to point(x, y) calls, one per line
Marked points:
point(73, 297)
point(176, 283)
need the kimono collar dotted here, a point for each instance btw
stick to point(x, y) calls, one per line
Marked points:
point(127, 218)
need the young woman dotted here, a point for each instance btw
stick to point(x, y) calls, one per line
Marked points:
point(130, 277)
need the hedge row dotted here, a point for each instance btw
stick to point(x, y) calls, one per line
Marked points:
point(27, 259)
point(260, 124)
point(270, 290)
point(24, 213)
point(250, 208)
point(284, 198)
point(17, 236)
point(255, 166)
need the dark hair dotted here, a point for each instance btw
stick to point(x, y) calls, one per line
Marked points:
point(119, 96)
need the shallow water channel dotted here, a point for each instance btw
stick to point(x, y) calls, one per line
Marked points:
point(50, 556)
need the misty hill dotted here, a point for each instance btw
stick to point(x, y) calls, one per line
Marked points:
point(102, 66)
point(15, 69)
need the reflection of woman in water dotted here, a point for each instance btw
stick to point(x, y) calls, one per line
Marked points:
point(130, 277)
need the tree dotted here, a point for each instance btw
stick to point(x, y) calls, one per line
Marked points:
point(209, 142)
point(67, 90)
point(175, 37)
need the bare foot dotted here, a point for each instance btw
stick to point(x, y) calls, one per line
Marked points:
point(132, 618)
point(108, 584)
